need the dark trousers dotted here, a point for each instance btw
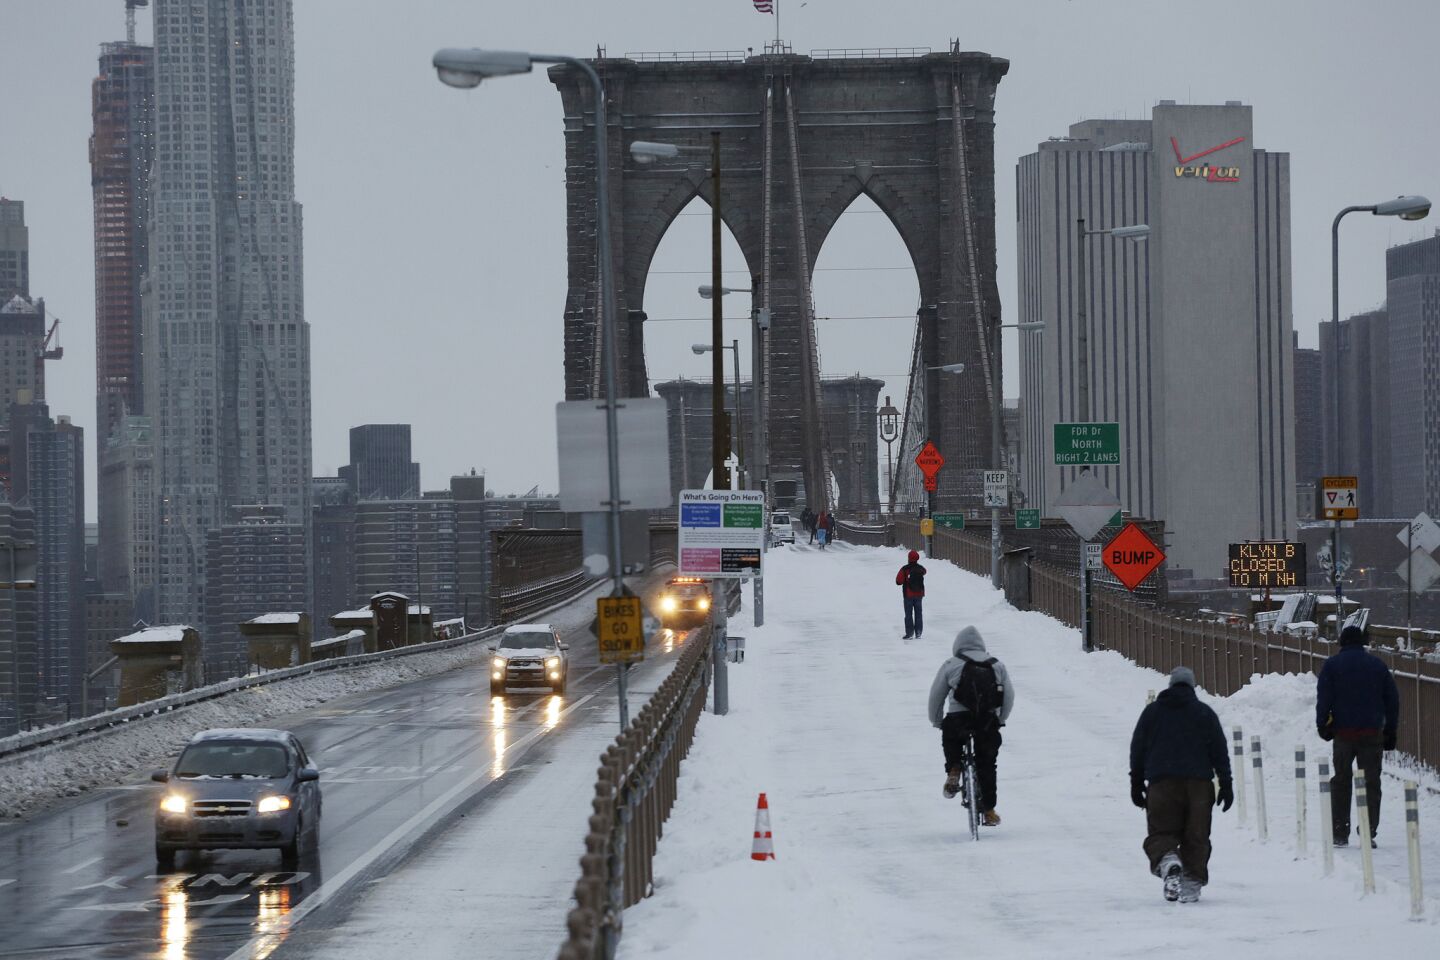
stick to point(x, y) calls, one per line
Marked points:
point(1348, 751)
point(914, 616)
point(1177, 817)
point(953, 731)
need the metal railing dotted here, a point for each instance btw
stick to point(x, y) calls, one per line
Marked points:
point(519, 603)
point(687, 56)
point(866, 534)
point(868, 53)
point(634, 791)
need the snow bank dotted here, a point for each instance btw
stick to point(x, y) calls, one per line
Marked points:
point(827, 716)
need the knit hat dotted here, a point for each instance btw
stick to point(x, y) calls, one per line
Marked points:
point(1182, 675)
point(1353, 636)
point(914, 556)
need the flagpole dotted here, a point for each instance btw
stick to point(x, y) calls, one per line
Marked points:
point(777, 26)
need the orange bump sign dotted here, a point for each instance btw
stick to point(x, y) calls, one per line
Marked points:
point(1132, 556)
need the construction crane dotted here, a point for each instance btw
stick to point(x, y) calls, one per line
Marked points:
point(130, 6)
point(46, 352)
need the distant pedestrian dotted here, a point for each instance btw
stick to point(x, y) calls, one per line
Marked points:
point(812, 524)
point(911, 581)
point(1357, 705)
point(1178, 746)
point(971, 698)
point(824, 524)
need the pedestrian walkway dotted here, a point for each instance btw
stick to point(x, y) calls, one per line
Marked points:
point(827, 718)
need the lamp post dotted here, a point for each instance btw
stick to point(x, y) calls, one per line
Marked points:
point(889, 418)
point(467, 68)
point(739, 437)
point(1138, 231)
point(1406, 208)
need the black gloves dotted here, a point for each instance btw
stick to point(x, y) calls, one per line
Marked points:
point(1324, 731)
point(1390, 736)
point(1137, 791)
point(1226, 796)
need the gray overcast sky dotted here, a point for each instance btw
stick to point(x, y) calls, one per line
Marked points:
point(434, 218)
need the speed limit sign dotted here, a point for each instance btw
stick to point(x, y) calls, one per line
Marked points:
point(619, 625)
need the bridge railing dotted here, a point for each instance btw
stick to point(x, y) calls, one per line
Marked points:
point(634, 791)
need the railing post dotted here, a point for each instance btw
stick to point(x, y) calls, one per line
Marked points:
point(1301, 842)
point(1327, 817)
point(1367, 856)
point(1412, 843)
point(1257, 761)
point(1238, 745)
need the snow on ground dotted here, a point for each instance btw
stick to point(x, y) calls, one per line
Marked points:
point(827, 717)
point(30, 782)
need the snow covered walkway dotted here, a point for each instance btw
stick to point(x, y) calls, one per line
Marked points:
point(828, 718)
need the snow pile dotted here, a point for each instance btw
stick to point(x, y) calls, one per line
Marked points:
point(827, 716)
point(30, 781)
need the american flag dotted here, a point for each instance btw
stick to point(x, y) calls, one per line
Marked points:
point(764, 6)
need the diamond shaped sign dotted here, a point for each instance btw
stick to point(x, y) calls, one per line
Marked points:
point(1421, 570)
point(1132, 556)
point(1422, 533)
point(1087, 505)
point(929, 460)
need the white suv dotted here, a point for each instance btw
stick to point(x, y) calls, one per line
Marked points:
point(529, 655)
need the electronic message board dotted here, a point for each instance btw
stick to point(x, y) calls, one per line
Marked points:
point(1267, 564)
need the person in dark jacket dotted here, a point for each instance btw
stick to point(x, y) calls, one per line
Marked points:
point(1357, 705)
point(911, 581)
point(1177, 748)
point(807, 522)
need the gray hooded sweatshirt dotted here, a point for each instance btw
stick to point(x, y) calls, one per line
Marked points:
point(970, 643)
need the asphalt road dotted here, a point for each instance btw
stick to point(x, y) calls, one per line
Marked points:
point(396, 765)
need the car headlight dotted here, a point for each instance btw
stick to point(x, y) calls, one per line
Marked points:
point(498, 663)
point(273, 804)
point(552, 663)
point(704, 603)
point(667, 604)
point(174, 803)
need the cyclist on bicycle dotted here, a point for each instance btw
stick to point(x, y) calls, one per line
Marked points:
point(971, 697)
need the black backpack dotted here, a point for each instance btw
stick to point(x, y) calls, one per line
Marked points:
point(979, 689)
point(914, 578)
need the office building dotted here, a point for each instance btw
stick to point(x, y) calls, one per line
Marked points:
point(1187, 343)
point(226, 369)
point(333, 530)
point(1310, 414)
point(14, 251)
point(19, 646)
point(380, 467)
point(1412, 287)
point(1365, 387)
point(256, 563)
point(127, 554)
point(47, 461)
point(409, 546)
point(22, 332)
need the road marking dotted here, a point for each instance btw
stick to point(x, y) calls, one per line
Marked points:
point(6, 880)
point(256, 947)
point(81, 866)
point(109, 883)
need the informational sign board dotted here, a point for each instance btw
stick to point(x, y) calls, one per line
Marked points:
point(620, 627)
point(1087, 444)
point(1132, 556)
point(997, 488)
point(1092, 556)
point(951, 521)
point(643, 443)
point(722, 533)
point(1339, 498)
point(1027, 519)
point(1267, 564)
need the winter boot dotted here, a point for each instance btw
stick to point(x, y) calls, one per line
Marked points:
point(952, 783)
point(1169, 872)
point(1342, 838)
point(990, 818)
point(1189, 889)
point(907, 636)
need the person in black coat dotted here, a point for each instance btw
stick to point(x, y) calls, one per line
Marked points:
point(1178, 746)
point(1358, 706)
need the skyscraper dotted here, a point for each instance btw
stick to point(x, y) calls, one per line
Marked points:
point(1187, 336)
point(14, 251)
point(1412, 288)
point(1364, 441)
point(255, 563)
point(227, 350)
point(380, 467)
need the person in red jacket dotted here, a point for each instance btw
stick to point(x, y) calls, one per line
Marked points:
point(911, 581)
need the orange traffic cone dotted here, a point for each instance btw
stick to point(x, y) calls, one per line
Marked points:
point(764, 846)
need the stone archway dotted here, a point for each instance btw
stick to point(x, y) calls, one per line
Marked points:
point(801, 138)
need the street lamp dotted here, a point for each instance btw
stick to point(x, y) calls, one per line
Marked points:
point(890, 432)
point(707, 292)
point(466, 68)
point(1406, 208)
point(1136, 231)
point(701, 349)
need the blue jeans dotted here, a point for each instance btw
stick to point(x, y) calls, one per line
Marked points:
point(914, 616)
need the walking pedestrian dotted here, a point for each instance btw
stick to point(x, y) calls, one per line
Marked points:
point(911, 581)
point(971, 697)
point(1357, 705)
point(812, 524)
point(825, 524)
point(1178, 746)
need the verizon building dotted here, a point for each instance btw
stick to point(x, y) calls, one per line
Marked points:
point(1189, 332)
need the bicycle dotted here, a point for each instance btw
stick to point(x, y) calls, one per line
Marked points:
point(969, 787)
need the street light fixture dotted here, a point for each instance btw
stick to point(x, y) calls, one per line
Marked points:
point(1135, 231)
point(889, 419)
point(707, 292)
point(465, 69)
point(700, 349)
point(1406, 208)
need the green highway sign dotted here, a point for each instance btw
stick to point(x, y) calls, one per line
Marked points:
point(1027, 519)
point(954, 521)
point(1087, 444)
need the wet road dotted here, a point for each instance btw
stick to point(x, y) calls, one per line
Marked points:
point(395, 764)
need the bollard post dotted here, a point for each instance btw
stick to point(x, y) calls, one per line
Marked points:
point(1367, 856)
point(1257, 761)
point(1301, 840)
point(1327, 818)
point(1150, 697)
point(1412, 841)
point(1327, 814)
point(1239, 772)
